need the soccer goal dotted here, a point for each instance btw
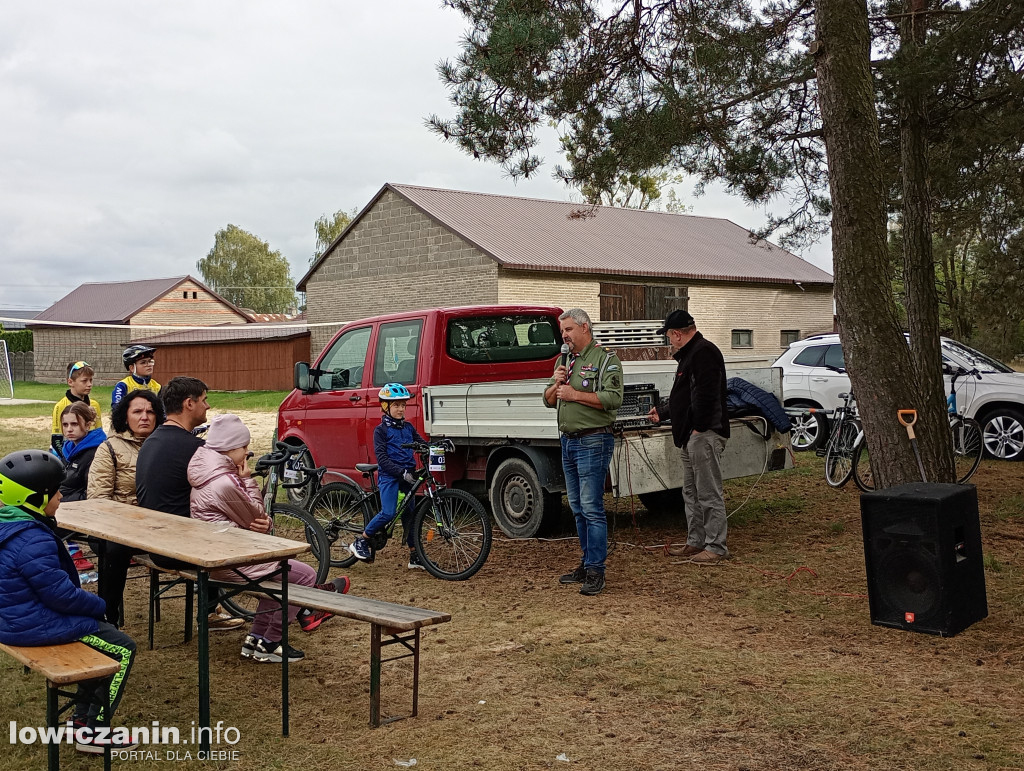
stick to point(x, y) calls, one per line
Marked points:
point(6, 384)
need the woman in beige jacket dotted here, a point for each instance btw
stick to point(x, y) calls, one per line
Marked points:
point(112, 476)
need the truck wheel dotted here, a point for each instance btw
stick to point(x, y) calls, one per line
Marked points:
point(518, 501)
point(667, 502)
point(1003, 434)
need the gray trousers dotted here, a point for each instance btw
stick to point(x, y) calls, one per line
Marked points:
point(706, 523)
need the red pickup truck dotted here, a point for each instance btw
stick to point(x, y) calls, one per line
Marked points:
point(334, 407)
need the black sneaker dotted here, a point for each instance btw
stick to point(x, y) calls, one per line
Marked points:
point(593, 584)
point(578, 576)
point(273, 652)
point(414, 562)
point(249, 645)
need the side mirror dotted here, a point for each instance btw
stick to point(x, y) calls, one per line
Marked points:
point(302, 380)
point(947, 369)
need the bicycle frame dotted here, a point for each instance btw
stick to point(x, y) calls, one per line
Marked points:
point(424, 478)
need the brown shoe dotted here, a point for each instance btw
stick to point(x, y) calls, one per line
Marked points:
point(218, 621)
point(706, 558)
point(684, 551)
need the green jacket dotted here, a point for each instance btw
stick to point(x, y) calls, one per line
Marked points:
point(593, 364)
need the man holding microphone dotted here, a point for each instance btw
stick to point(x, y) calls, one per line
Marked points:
point(586, 389)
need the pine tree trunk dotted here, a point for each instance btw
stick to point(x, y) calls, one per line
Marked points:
point(922, 299)
point(877, 357)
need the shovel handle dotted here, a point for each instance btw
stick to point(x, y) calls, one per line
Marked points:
point(907, 418)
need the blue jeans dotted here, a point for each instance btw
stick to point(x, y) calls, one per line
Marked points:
point(389, 488)
point(585, 462)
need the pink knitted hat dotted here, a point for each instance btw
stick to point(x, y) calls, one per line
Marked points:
point(227, 432)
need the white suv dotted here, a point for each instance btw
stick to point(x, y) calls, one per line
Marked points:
point(995, 398)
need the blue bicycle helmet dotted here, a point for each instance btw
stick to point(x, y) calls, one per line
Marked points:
point(393, 392)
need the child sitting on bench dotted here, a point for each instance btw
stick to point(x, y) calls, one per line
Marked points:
point(223, 490)
point(43, 601)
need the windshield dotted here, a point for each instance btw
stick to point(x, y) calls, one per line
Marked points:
point(975, 359)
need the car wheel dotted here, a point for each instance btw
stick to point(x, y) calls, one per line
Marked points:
point(519, 503)
point(1003, 434)
point(809, 429)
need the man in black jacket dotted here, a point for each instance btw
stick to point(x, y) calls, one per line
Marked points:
point(700, 428)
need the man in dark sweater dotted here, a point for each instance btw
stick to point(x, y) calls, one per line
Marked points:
point(700, 428)
point(161, 472)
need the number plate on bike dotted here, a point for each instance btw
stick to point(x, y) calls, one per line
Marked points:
point(437, 461)
point(290, 473)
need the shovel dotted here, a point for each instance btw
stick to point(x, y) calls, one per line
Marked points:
point(908, 418)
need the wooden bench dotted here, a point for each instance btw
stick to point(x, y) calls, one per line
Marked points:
point(63, 665)
point(401, 625)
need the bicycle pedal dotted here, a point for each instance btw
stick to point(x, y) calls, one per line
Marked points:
point(820, 452)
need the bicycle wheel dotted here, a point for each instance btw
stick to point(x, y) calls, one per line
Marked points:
point(297, 524)
point(343, 511)
point(862, 475)
point(452, 534)
point(839, 453)
point(967, 447)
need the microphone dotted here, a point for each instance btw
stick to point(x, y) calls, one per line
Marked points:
point(565, 354)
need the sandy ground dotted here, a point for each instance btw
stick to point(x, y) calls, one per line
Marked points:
point(261, 426)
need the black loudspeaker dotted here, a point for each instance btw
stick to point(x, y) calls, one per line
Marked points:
point(922, 548)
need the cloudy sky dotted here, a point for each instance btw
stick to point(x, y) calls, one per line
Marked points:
point(130, 132)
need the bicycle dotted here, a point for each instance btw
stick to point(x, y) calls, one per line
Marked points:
point(843, 442)
point(451, 529)
point(965, 434)
point(290, 521)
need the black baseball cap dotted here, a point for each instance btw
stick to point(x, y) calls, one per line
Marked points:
point(677, 319)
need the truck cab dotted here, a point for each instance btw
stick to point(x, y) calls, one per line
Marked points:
point(334, 408)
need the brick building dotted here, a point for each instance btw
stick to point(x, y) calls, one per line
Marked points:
point(416, 247)
point(178, 301)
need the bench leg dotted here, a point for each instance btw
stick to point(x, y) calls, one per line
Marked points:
point(374, 675)
point(154, 603)
point(204, 663)
point(189, 592)
point(52, 716)
point(410, 641)
point(284, 645)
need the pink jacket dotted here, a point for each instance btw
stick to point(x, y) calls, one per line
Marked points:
point(220, 495)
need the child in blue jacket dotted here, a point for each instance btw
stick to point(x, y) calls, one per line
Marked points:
point(395, 473)
point(43, 601)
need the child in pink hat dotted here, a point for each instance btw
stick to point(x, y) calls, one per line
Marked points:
point(223, 490)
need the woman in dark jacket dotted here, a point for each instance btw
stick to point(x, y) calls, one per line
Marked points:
point(78, 449)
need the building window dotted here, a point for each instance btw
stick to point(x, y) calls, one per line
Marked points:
point(184, 295)
point(743, 338)
point(195, 295)
point(788, 336)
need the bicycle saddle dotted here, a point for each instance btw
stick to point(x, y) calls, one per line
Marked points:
point(366, 468)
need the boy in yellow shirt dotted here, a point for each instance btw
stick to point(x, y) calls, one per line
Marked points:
point(80, 376)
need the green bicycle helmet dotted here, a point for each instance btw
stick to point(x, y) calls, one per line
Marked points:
point(392, 392)
point(29, 479)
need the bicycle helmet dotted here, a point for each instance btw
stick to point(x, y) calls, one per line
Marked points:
point(29, 478)
point(135, 352)
point(392, 392)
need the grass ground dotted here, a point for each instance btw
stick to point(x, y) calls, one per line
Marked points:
point(766, 662)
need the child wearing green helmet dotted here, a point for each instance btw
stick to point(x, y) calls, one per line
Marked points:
point(44, 603)
point(396, 465)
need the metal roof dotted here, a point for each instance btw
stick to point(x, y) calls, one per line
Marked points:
point(227, 333)
point(115, 302)
point(535, 234)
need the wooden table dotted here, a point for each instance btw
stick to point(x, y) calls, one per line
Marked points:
point(206, 545)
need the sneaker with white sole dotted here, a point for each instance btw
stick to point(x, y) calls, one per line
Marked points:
point(249, 645)
point(86, 740)
point(273, 652)
point(361, 549)
point(414, 562)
